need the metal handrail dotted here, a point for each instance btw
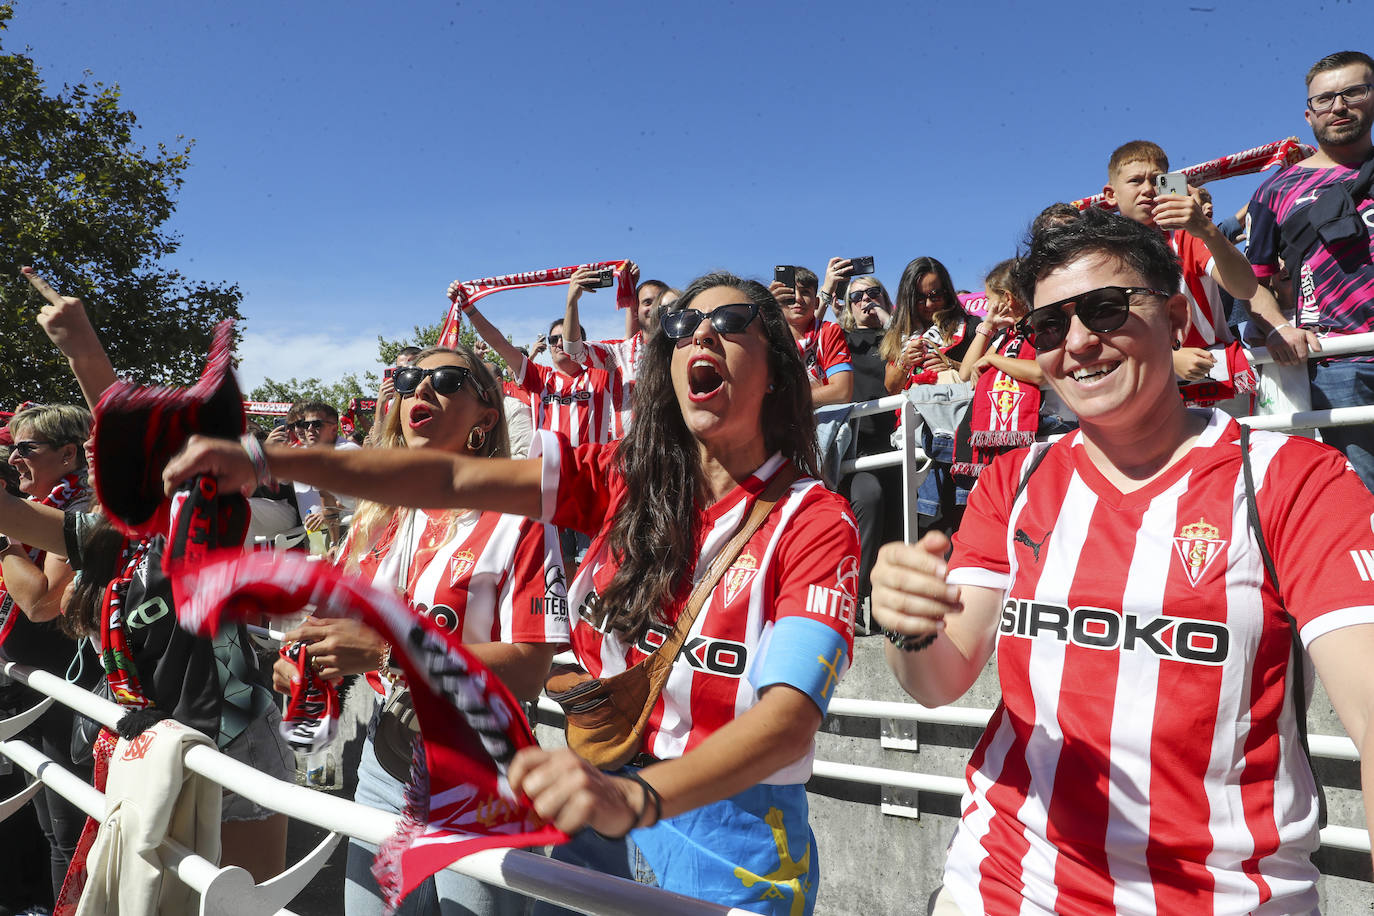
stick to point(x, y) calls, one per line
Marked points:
point(526, 873)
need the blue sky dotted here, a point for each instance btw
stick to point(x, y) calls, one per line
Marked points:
point(352, 158)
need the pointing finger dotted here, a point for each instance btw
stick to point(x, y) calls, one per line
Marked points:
point(41, 285)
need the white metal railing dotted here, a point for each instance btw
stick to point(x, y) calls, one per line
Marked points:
point(524, 872)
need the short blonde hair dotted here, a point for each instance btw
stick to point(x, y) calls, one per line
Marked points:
point(60, 424)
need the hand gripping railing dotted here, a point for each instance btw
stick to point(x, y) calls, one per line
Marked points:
point(231, 891)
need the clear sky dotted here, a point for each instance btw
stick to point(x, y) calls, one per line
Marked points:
point(352, 158)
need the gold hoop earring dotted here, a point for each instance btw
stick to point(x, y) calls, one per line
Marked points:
point(477, 438)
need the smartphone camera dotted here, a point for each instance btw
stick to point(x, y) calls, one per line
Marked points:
point(862, 265)
point(786, 275)
point(604, 277)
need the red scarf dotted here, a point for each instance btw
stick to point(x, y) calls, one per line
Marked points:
point(1280, 152)
point(68, 490)
point(1005, 412)
point(1240, 380)
point(116, 656)
point(311, 720)
point(470, 724)
point(464, 293)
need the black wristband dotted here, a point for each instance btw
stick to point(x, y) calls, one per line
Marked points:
point(909, 643)
point(650, 795)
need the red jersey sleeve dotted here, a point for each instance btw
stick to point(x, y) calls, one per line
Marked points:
point(834, 350)
point(600, 354)
point(818, 565)
point(1318, 521)
point(536, 590)
point(533, 377)
point(580, 485)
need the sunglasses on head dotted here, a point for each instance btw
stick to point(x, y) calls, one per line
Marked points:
point(1101, 310)
point(728, 319)
point(28, 446)
point(445, 379)
point(313, 426)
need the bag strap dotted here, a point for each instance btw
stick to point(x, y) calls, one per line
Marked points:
point(660, 663)
point(1298, 684)
point(1298, 236)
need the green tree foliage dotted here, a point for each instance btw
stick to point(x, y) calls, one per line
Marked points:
point(85, 204)
point(312, 389)
point(423, 336)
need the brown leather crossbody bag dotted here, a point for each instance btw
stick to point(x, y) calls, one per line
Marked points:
point(607, 716)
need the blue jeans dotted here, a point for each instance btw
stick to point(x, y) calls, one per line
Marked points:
point(448, 892)
point(1347, 383)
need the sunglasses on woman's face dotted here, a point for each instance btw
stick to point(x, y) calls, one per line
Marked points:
point(313, 426)
point(728, 319)
point(868, 292)
point(445, 379)
point(1101, 310)
point(27, 447)
point(937, 296)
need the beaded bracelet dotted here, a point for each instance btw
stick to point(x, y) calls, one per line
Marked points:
point(259, 458)
point(909, 643)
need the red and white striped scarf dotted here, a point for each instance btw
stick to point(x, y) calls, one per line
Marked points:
point(1005, 413)
point(463, 294)
point(470, 724)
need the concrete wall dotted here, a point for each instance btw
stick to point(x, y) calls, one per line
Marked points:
point(874, 863)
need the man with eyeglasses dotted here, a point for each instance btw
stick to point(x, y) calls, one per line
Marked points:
point(1301, 215)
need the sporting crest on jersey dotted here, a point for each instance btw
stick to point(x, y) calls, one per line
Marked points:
point(1005, 395)
point(460, 565)
point(739, 575)
point(1198, 545)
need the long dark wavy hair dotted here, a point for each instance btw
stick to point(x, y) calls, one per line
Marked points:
point(653, 535)
point(906, 317)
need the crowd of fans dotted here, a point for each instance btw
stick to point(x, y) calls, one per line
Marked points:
point(593, 503)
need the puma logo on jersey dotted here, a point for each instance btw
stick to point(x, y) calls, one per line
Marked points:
point(1023, 538)
point(1201, 642)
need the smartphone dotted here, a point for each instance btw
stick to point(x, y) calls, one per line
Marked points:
point(1172, 183)
point(786, 275)
point(604, 277)
point(388, 372)
point(862, 265)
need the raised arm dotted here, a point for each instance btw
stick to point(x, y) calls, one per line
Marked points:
point(494, 338)
point(580, 282)
point(415, 478)
point(1229, 267)
point(65, 322)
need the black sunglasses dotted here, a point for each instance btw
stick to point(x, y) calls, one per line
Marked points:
point(28, 446)
point(868, 292)
point(445, 379)
point(937, 296)
point(312, 425)
point(728, 319)
point(1101, 311)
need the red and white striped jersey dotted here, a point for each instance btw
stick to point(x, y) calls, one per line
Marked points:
point(622, 357)
point(1208, 314)
point(583, 407)
point(1145, 757)
point(782, 613)
point(825, 352)
point(493, 578)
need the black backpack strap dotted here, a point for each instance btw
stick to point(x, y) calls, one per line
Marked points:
point(1038, 452)
point(1298, 684)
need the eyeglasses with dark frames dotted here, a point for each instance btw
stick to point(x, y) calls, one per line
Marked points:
point(313, 426)
point(727, 319)
point(1353, 95)
point(1101, 310)
point(25, 448)
point(445, 379)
